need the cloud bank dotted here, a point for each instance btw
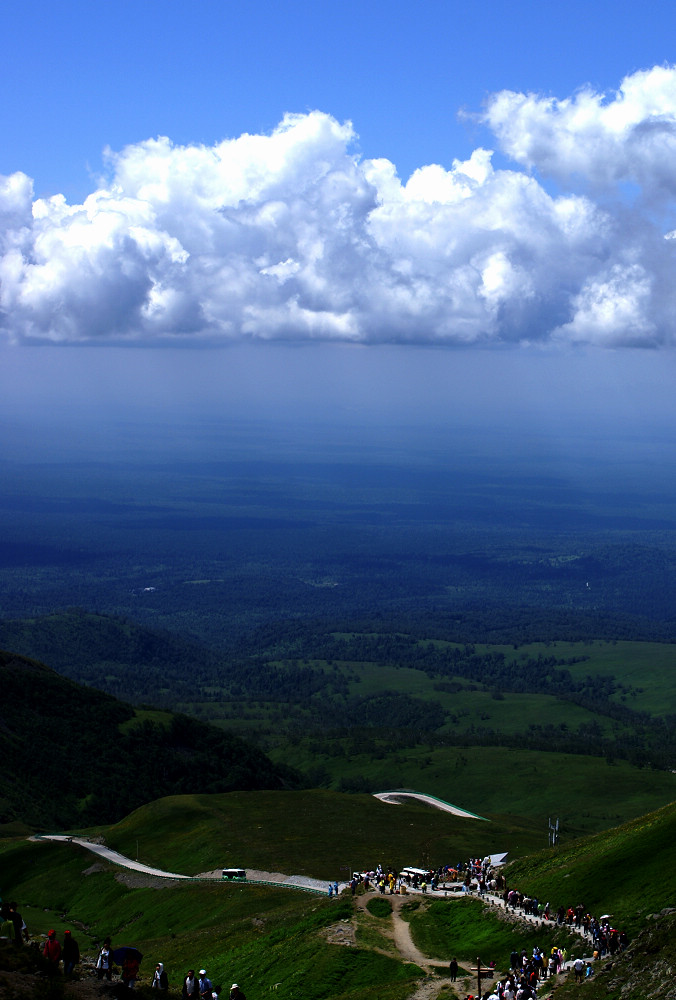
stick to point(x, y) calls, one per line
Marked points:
point(292, 236)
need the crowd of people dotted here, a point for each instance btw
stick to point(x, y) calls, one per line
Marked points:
point(125, 960)
point(481, 876)
point(475, 875)
point(527, 972)
point(194, 986)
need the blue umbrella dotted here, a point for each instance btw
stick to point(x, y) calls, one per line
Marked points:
point(120, 955)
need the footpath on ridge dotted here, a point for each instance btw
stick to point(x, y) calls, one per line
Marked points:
point(253, 875)
point(454, 891)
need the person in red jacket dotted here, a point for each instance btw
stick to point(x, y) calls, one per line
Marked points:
point(52, 952)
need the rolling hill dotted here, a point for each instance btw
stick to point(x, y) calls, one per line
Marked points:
point(73, 756)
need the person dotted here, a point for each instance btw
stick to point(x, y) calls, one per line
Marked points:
point(588, 972)
point(160, 979)
point(578, 966)
point(330, 890)
point(453, 969)
point(204, 985)
point(52, 952)
point(70, 953)
point(335, 888)
point(6, 925)
point(236, 993)
point(130, 968)
point(19, 927)
point(104, 963)
point(190, 985)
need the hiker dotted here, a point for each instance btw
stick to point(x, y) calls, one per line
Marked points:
point(52, 952)
point(130, 968)
point(453, 969)
point(18, 925)
point(6, 925)
point(70, 953)
point(578, 966)
point(236, 993)
point(104, 963)
point(204, 985)
point(190, 988)
point(160, 979)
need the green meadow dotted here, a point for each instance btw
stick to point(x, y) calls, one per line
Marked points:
point(466, 930)
point(522, 787)
point(262, 937)
point(320, 834)
point(628, 871)
point(270, 938)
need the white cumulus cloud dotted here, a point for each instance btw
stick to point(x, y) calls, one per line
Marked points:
point(627, 136)
point(292, 236)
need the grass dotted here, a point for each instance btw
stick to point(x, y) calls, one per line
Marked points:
point(629, 871)
point(645, 667)
point(521, 787)
point(268, 938)
point(316, 833)
point(379, 906)
point(265, 938)
point(465, 929)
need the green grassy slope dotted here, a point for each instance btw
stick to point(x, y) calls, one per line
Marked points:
point(75, 755)
point(263, 938)
point(311, 833)
point(467, 930)
point(587, 793)
point(629, 871)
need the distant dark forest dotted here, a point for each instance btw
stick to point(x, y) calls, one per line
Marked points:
point(214, 551)
point(266, 590)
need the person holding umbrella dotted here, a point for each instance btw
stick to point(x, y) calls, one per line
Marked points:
point(130, 959)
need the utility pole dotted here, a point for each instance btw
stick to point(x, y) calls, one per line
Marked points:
point(553, 832)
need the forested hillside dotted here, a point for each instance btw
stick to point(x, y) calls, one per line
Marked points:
point(74, 756)
point(405, 687)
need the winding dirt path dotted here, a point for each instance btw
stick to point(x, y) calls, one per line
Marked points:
point(401, 934)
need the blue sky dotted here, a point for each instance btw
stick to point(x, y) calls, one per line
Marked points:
point(80, 76)
point(427, 213)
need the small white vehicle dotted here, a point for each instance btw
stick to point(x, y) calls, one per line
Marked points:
point(234, 875)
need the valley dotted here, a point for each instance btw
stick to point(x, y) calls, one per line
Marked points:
point(248, 652)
